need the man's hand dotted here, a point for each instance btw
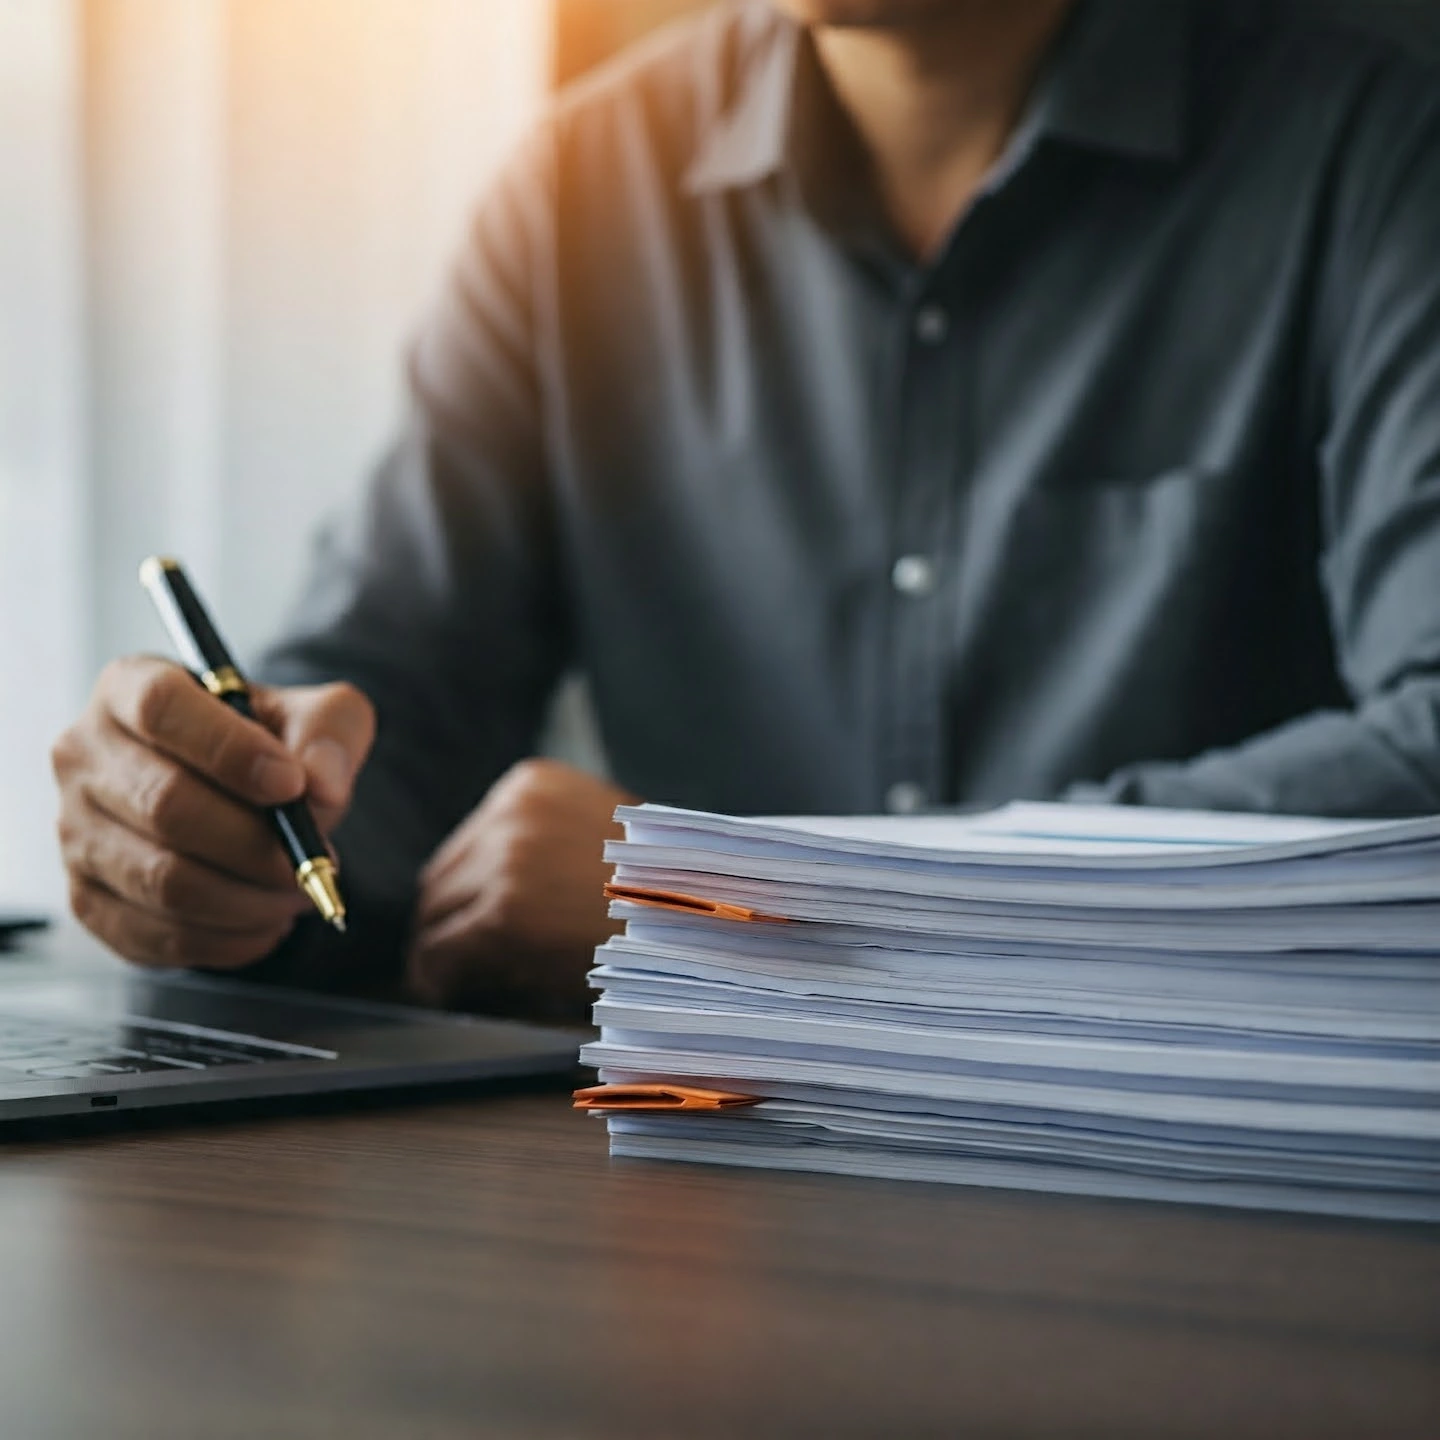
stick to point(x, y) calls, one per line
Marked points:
point(171, 861)
point(511, 907)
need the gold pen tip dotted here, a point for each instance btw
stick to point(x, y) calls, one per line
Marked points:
point(316, 878)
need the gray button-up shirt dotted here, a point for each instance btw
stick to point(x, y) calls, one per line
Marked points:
point(1135, 486)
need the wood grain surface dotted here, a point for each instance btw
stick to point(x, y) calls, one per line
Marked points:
point(477, 1267)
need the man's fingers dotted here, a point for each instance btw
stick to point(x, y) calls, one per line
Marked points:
point(449, 963)
point(461, 962)
point(450, 934)
point(330, 728)
point(311, 739)
point(447, 858)
point(171, 858)
point(161, 705)
point(154, 796)
point(442, 896)
point(146, 939)
point(168, 885)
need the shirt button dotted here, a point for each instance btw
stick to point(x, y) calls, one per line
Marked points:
point(905, 797)
point(932, 324)
point(913, 575)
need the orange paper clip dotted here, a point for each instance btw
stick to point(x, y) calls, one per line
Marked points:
point(687, 904)
point(658, 1097)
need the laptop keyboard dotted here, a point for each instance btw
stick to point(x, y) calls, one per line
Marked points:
point(40, 1049)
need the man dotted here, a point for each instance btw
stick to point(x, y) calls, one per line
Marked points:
point(886, 403)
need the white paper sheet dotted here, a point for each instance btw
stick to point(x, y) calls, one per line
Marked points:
point(1099, 1000)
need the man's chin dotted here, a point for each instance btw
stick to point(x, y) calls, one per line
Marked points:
point(875, 14)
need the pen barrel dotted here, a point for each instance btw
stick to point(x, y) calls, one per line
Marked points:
point(191, 630)
point(299, 833)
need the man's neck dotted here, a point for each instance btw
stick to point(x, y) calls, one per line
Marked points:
point(936, 101)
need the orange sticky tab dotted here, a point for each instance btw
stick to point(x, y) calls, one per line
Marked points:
point(658, 1097)
point(687, 904)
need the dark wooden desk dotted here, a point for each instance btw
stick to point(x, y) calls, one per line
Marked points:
point(479, 1267)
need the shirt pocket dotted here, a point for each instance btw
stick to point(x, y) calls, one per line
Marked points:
point(1109, 602)
point(1096, 546)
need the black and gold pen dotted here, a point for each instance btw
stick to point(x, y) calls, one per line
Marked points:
point(194, 635)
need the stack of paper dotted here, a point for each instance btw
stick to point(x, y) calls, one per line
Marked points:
point(1102, 1000)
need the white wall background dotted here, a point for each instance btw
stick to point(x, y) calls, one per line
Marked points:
point(45, 595)
point(219, 220)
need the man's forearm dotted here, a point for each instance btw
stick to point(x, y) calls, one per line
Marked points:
point(1380, 759)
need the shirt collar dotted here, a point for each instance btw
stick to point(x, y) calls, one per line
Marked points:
point(747, 140)
point(1119, 80)
point(1116, 81)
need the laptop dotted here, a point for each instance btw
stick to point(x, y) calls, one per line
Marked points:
point(131, 1040)
point(16, 924)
